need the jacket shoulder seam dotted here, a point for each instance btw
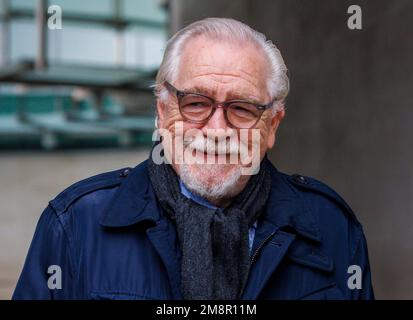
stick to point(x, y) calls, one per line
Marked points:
point(79, 189)
point(358, 243)
point(317, 186)
point(66, 235)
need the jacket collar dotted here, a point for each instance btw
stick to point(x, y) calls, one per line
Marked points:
point(286, 208)
point(135, 202)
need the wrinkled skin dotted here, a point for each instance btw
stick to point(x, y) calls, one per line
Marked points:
point(223, 71)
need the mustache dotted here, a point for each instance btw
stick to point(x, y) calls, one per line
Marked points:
point(217, 146)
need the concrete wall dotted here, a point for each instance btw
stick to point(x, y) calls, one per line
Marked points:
point(349, 114)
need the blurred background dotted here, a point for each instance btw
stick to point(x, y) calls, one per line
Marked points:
point(76, 101)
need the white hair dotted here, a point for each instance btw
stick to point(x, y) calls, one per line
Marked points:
point(225, 29)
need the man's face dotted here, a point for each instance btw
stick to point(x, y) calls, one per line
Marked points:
point(223, 71)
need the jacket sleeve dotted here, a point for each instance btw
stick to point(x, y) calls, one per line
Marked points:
point(361, 259)
point(47, 270)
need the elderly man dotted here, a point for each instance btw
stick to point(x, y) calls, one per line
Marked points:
point(207, 216)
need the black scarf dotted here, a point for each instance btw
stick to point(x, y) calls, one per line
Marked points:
point(214, 243)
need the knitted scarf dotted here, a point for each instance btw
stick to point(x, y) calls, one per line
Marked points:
point(214, 243)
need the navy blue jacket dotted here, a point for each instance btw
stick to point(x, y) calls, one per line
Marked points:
point(110, 240)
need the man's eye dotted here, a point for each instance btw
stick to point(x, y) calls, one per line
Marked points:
point(197, 104)
point(242, 111)
point(196, 110)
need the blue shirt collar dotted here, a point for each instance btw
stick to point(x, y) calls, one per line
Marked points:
point(196, 198)
point(200, 200)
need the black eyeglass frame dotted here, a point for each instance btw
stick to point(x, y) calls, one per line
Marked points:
point(215, 104)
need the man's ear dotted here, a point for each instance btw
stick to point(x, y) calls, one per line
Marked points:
point(160, 109)
point(275, 122)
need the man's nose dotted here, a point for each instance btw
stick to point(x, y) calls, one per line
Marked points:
point(217, 121)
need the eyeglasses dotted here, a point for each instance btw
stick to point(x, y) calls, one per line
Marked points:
point(198, 108)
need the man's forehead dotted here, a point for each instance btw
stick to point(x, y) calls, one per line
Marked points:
point(206, 55)
point(208, 66)
point(232, 93)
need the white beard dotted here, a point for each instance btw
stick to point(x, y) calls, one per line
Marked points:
point(203, 180)
point(216, 179)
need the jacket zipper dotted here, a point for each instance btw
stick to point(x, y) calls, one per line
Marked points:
point(260, 247)
point(255, 255)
